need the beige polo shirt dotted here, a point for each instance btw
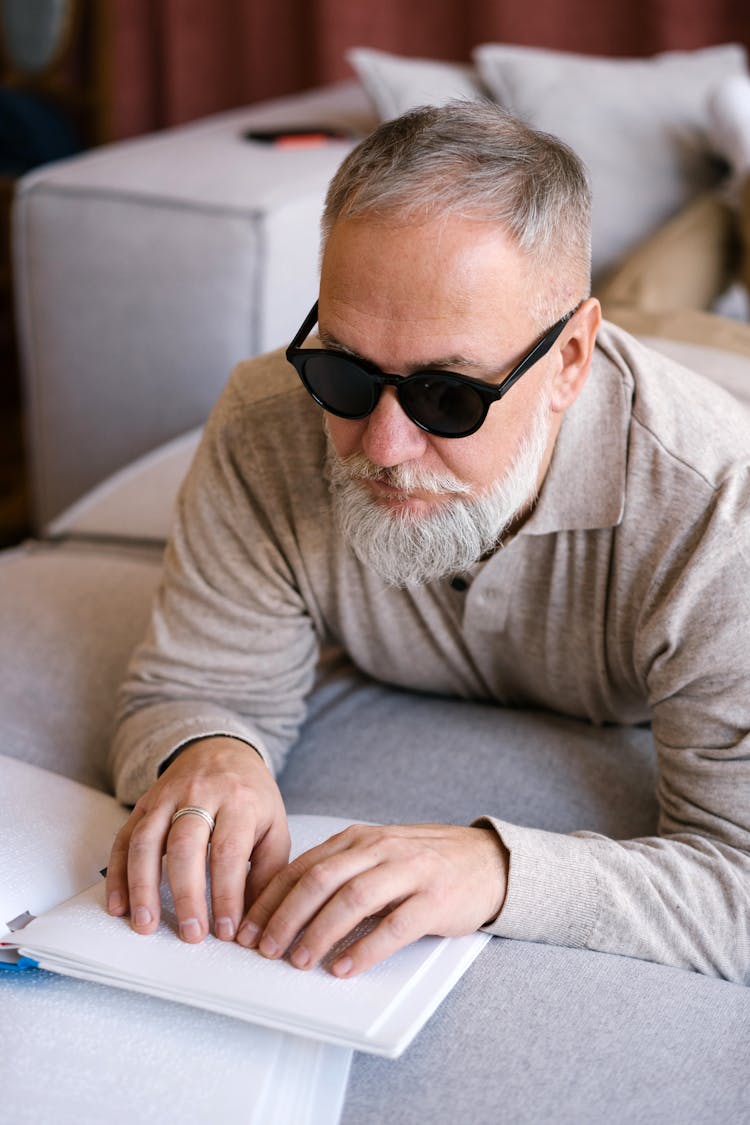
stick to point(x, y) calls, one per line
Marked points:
point(624, 598)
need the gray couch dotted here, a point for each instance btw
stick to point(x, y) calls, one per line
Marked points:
point(531, 1033)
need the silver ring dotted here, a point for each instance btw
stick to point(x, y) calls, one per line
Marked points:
point(197, 811)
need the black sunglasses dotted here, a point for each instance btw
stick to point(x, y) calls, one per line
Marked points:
point(440, 402)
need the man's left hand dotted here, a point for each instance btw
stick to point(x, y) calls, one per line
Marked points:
point(420, 878)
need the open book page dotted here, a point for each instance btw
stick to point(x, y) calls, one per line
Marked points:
point(56, 836)
point(378, 1011)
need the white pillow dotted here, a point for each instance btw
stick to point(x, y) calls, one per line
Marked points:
point(640, 125)
point(396, 84)
point(137, 502)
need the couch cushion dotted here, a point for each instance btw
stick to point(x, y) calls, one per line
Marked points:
point(640, 125)
point(135, 503)
point(69, 619)
point(396, 84)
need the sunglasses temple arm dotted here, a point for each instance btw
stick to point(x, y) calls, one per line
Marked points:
point(534, 355)
point(309, 323)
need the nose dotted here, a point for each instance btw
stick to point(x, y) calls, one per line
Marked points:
point(390, 437)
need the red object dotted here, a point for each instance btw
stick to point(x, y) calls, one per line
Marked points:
point(298, 140)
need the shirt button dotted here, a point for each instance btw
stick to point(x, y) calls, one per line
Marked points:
point(459, 583)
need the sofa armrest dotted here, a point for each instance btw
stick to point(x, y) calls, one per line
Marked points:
point(146, 269)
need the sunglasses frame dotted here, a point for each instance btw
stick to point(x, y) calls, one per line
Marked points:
point(488, 393)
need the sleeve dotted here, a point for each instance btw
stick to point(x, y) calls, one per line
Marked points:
point(681, 898)
point(231, 649)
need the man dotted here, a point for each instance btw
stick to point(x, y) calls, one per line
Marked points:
point(492, 504)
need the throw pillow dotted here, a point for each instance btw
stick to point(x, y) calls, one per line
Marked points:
point(396, 84)
point(640, 125)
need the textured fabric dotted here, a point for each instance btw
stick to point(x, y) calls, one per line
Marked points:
point(687, 264)
point(396, 84)
point(533, 1035)
point(136, 503)
point(70, 617)
point(144, 271)
point(622, 600)
point(640, 126)
point(714, 345)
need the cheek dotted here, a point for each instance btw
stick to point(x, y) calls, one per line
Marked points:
point(484, 457)
point(472, 463)
point(345, 435)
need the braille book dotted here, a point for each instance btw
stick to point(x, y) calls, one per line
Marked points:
point(380, 1011)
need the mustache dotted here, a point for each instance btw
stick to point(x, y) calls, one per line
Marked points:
point(404, 477)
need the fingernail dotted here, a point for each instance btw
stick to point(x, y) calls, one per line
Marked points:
point(268, 947)
point(224, 928)
point(142, 916)
point(342, 967)
point(190, 930)
point(248, 935)
point(300, 957)
point(115, 905)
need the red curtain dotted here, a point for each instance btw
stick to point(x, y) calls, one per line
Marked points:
point(174, 60)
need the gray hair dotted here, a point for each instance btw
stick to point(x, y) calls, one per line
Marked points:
point(475, 160)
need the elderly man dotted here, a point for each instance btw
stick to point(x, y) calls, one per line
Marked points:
point(497, 501)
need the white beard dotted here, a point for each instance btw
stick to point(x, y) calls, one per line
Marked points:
point(406, 549)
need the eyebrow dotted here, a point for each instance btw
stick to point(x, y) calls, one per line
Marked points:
point(443, 363)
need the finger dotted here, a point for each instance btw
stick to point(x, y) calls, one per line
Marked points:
point(270, 856)
point(364, 895)
point(231, 846)
point(117, 867)
point(269, 875)
point(145, 850)
point(272, 890)
point(187, 844)
point(400, 927)
point(296, 896)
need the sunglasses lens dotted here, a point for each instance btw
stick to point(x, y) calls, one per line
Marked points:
point(443, 407)
point(440, 404)
point(340, 387)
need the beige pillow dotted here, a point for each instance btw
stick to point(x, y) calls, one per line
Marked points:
point(687, 264)
point(396, 84)
point(640, 125)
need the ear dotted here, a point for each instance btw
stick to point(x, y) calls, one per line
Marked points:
point(576, 355)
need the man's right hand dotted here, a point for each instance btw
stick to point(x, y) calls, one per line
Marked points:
point(230, 781)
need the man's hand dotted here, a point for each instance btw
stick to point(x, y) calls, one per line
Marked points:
point(232, 782)
point(427, 878)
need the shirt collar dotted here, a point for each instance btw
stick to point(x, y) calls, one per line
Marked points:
point(585, 484)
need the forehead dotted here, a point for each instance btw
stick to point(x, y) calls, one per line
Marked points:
point(455, 276)
point(392, 249)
